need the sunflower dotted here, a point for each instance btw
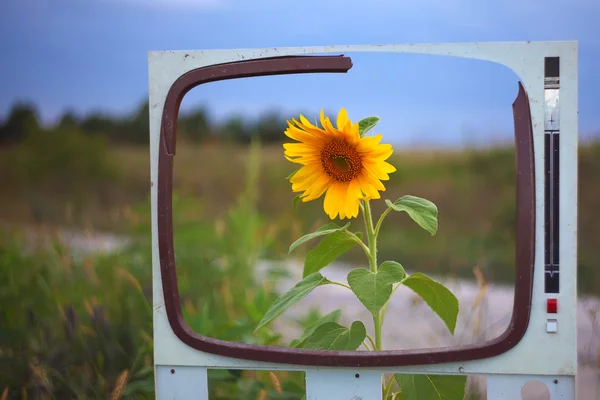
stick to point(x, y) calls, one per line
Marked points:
point(337, 161)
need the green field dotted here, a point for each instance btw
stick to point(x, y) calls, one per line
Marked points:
point(474, 192)
point(82, 324)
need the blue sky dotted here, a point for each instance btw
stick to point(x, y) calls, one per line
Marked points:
point(92, 56)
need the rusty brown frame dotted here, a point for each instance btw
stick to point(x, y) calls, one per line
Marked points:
point(525, 240)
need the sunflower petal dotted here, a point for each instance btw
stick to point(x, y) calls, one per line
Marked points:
point(302, 148)
point(334, 200)
point(369, 190)
point(317, 189)
point(303, 179)
point(313, 138)
point(376, 170)
point(353, 198)
point(387, 167)
point(381, 152)
point(342, 118)
point(367, 178)
point(330, 203)
point(367, 143)
point(326, 122)
point(304, 121)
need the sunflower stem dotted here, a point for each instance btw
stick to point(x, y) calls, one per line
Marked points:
point(380, 221)
point(371, 237)
point(340, 284)
point(377, 322)
point(357, 240)
point(370, 338)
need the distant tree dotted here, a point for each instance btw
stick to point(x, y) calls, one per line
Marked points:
point(195, 125)
point(22, 120)
point(236, 129)
point(270, 127)
point(98, 124)
point(68, 120)
point(133, 128)
point(138, 126)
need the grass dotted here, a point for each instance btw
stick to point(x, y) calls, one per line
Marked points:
point(474, 191)
point(69, 337)
point(83, 328)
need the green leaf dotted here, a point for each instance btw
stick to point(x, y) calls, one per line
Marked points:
point(441, 300)
point(329, 249)
point(333, 336)
point(432, 387)
point(333, 316)
point(291, 297)
point(322, 231)
point(396, 270)
point(373, 289)
point(366, 124)
point(423, 212)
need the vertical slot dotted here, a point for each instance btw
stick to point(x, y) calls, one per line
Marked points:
point(547, 202)
point(555, 197)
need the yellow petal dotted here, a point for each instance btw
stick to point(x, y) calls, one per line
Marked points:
point(300, 149)
point(303, 136)
point(334, 197)
point(304, 178)
point(342, 119)
point(367, 178)
point(334, 133)
point(387, 167)
point(367, 188)
point(317, 188)
point(304, 121)
point(381, 152)
point(353, 198)
point(300, 160)
point(368, 143)
point(343, 199)
point(351, 135)
point(355, 131)
point(329, 204)
point(376, 170)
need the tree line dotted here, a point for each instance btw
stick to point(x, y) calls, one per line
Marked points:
point(195, 125)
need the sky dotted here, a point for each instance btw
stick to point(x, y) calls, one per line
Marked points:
point(89, 56)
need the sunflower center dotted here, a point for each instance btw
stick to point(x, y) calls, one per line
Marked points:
point(341, 161)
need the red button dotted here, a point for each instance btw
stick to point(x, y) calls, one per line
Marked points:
point(552, 306)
